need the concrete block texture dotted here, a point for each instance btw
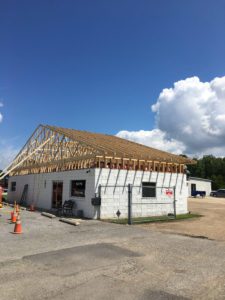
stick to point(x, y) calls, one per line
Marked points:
point(114, 191)
point(162, 204)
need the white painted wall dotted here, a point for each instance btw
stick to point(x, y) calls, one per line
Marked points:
point(201, 185)
point(41, 193)
point(116, 198)
point(113, 198)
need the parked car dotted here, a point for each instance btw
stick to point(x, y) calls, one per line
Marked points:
point(198, 193)
point(220, 193)
point(213, 193)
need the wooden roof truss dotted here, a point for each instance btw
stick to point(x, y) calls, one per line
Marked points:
point(51, 149)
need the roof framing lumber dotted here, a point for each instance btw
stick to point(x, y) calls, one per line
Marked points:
point(51, 149)
point(24, 159)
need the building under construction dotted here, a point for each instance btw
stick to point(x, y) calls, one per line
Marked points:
point(97, 172)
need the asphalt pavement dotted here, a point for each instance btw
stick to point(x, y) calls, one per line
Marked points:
point(98, 260)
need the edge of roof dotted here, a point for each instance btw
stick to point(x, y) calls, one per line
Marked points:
point(200, 179)
point(181, 158)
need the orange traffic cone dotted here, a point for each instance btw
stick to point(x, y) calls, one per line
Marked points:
point(12, 213)
point(18, 227)
point(14, 217)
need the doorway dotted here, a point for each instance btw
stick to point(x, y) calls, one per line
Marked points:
point(193, 188)
point(57, 194)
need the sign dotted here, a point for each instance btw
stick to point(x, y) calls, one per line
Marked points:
point(169, 192)
point(118, 213)
point(78, 188)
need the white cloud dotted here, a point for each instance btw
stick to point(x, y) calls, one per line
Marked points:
point(190, 118)
point(7, 154)
point(154, 138)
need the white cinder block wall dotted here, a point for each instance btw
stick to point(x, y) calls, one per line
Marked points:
point(114, 198)
point(114, 192)
point(40, 189)
point(201, 185)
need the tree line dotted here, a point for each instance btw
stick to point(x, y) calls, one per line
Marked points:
point(210, 167)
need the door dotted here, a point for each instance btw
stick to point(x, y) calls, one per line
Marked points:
point(193, 189)
point(57, 194)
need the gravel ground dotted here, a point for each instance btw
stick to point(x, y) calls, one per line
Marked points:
point(53, 260)
point(211, 225)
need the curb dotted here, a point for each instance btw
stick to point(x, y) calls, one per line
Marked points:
point(68, 221)
point(48, 215)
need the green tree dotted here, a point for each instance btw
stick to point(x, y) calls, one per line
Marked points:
point(210, 167)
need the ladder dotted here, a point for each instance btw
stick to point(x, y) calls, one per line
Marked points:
point(23, 199)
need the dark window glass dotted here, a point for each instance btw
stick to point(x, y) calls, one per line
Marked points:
point(149, 189)
point(13, 186)
point(193, 187)
point(57, 194)
point(78, 188)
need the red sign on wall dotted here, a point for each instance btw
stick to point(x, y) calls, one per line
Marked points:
point(169, 193)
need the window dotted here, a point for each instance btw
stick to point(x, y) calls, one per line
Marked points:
point(193, 188)
point(13, 186)
point(78, 188)
point(149, 189)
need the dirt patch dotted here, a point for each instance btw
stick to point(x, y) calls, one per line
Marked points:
point(211, 225)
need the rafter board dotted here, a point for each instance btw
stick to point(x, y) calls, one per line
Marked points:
point(117, 145)
point(70, 145)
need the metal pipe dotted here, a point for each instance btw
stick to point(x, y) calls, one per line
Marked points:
point(174, 202)
point(129, 204)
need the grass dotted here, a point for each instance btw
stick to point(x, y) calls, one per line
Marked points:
point(143, 220)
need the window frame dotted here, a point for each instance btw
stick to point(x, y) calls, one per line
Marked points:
point(145, 188)
point(73, 194)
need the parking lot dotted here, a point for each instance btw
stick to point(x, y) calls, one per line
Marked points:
point(98, 260)
point(211, 225)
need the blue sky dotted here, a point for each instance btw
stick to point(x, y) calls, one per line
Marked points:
point(100, 65)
